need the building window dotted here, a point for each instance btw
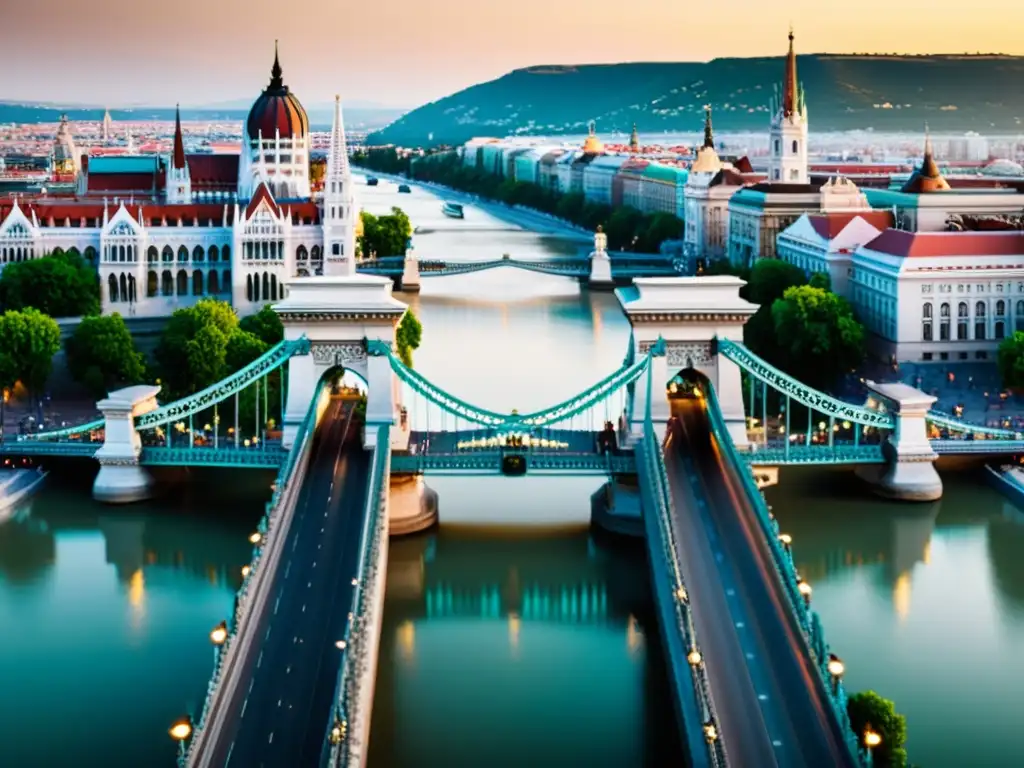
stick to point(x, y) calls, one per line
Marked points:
point(961, 321)
point(927, 356)
point(943, 355)
point(981, 354)
point(1000, 329)
point(926, 322)
point(796, 147)
point(944, 322)
point(778, 148)
point(336, 249)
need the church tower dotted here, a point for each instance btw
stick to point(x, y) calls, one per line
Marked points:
point(787, 150)
point(179, 181)
point(634, 141)
point(108, 126)
point(340, 214)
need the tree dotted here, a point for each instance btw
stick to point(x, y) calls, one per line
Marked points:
point(817, 335)
point(769, 279)
point(183, 370)
point(408, 337)
point(102, 356)
point(1011, 360)
point(658, 228)
point(59, 285)
point(868, 709)
point(386, 235)
point(266, 325)
point(28, 341)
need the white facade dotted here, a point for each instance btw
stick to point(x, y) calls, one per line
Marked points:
point(598, 176)
point(940, 296)
point(563, 171)
point(787, 150)
point(706, 201)
point(339, 206)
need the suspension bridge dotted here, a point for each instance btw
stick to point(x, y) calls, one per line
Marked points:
point(687, 412)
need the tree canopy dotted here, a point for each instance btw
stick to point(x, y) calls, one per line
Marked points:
point(1011, 360)
point(265, 325)
point(192, 352)
point(102, 356)
point(868, 709)
point(408, 336)
point(386, 235)
point(817, 336)
point(60, 285)
point(28, 341)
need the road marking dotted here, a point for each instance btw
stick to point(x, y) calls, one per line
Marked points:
point(288, 569)
point(776, 743)
point(730, 592)
point(288, 669)
point(267, 636)
point(251, 681)
point(271, 739)
point(750, 656)
point(279, 702)
point(314, 563)
point(740, 625)
point(762, 697)
point(244, 705)
point(309, 584)
point(303, 609)
point(295, 543)
point(259, 661)
point(277, 603)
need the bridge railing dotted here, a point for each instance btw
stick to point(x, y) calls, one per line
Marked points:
point(952, 424)
point(657, 499)
point(782, 555)
point(269, 541)
point(349, 724)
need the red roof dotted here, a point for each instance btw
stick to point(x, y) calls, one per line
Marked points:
point(829, 225)
point(137, 183)
point(743, 165)
point(853, 169)
point(74, 210)
point(261, 194)
point(897, 242)
point(215, 173)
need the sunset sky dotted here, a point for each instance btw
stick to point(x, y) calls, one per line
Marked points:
point(406, 52)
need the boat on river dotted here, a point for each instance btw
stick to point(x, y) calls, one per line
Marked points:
point(372, 181)
point(404, 189)
point(453, 210)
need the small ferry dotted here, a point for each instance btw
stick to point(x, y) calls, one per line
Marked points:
point(452, 210)
point(372, 181)
point(404, 189)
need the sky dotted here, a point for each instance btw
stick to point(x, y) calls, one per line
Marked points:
point(407, 52)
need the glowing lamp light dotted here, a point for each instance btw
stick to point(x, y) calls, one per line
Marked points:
point(246, 570)
point(181, 730)
point(821, 426)
point(219, 633)
point(836, 668)
point(256, 538)
point(871, 738)
point(710, 732)
point(694, 657)
point(805, 590)
point(681, 594)
point(785, 539)
point(340, 645)
point(338, 731)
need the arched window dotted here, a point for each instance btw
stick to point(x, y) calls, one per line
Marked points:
point(944, 322)
point(979, 309)
point(927, 312)
point(90, 256)
point(248, 288)
point(213, 253)
point(198, 254)
point(273, 288)
point(167, 283)
point(112, 288)
point(301, 254)
point(197, 283)
point(167, 256)
point(182, 280)
point(132, 294)
point(152, 255)
point(225, 281)
point(152, 283)
point(182, 254)
point(58, 252)
point(122, 254)
point(796, 147)
point(1000, 308)
point(212, 284)
point(225, 253)
point(124, 287)
point(1000, 329)
point(266, 286)
point(73, 252)
point(926, 323)
point(962, 313)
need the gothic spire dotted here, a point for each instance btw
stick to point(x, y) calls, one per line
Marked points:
point(634, 140)
point(337, 156)
point(709, 136)
point(790, 89)
point(276, 81)
point(178, 160)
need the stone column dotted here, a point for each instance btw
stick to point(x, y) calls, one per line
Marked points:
point(121, 480)
point(303, 377)
point(660, 411)
point(411, 271)
point(729, 389)
point(380, 397)
point(909, 473)
point(601, 264)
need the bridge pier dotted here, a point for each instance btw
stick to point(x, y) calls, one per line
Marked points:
point(412, 505)
point(689, 314)
point(600, 264)
point(121, 480)
point(615, 507)
point(411, 271)
point(909, 472)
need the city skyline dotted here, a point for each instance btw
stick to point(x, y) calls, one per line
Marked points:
point(393, 58)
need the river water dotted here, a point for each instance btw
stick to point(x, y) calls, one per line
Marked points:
point(501, 645)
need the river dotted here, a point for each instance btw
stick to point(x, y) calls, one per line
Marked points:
point(502, 644)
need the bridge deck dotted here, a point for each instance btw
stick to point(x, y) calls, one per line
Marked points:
point(772, 707)
point(282, 706)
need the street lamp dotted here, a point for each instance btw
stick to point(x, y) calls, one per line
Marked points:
point(246, 570)
point(871, 740)
point(805, 590)
point(710, 732)
point(255, 538)
point(694, 657)
point(836, 668)
point(338, 731)
point(681, 595)
point(180, 732)
point(219, 634)
point(786, 540)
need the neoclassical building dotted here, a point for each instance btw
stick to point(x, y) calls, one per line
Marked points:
point(165, 231)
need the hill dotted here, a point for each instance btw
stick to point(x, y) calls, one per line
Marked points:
point(844, 92)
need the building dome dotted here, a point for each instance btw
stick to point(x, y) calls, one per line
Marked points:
point(593, 145)
point(277, 112)
point(1003, 167)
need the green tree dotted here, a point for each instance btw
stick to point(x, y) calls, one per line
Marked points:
point(182, 369)
point(869, 710)
point(242, 348)
point(266, 325)
point(658, 228)
point(769, 279)
point(817, 335)
point(1011, 360)
point(408, 336)
point(59, 285)
point(386, 235)
point(28, 341)
point(102, 356)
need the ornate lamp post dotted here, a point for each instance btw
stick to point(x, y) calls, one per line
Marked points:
point(338, 731)
point(836, 668)
point(805, 590)
point(181, 731)
point(871, 740)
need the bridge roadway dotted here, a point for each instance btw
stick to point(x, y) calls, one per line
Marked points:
point(772, 707)
point(282, 706)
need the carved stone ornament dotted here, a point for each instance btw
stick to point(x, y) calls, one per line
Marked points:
point(339, 354)
point(683, 355)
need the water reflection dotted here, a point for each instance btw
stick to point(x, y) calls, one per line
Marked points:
point(924, 602)
point(527, 643)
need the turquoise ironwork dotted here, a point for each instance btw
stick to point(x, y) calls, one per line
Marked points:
point(774, 455)
point(34, 448)
point(490, 462)
point(812, 398)
point(658, 516)
point(786, 569)
point(215, 393)
point(53, 434)
point(359, 639)
point(264, 457)
point(267, 527)
point(992, 447)
point(945, 421)
point(471, 413)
